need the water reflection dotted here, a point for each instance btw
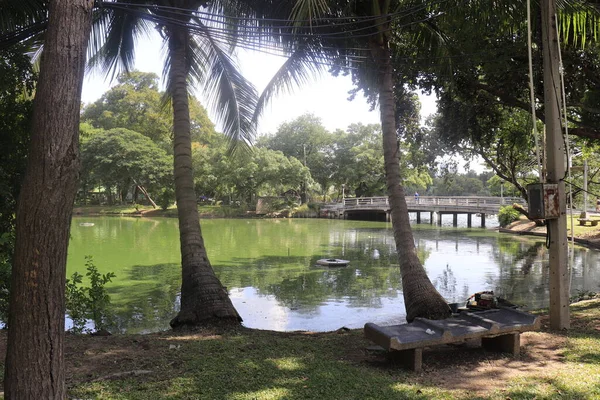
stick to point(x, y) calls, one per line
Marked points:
point(269, 268)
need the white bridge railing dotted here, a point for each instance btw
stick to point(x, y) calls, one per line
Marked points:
point(432, 201)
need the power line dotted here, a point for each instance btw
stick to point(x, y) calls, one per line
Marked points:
point(327, 20)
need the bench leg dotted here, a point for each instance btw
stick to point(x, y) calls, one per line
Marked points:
point(510, 343)
point(411, 359)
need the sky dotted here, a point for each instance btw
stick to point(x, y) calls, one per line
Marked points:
point(325, 96)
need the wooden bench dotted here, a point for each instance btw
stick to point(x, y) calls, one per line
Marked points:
point(499, 329)
point(583, 221)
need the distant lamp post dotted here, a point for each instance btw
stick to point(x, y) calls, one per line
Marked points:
point(502, 192)
point(343, 191)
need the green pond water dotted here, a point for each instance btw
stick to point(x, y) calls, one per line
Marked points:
point(269, 268)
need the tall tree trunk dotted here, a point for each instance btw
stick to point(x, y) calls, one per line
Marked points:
point(420, 296)
point(204, 300)
point(34, 359)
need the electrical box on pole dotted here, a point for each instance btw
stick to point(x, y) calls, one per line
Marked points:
point(543, 201)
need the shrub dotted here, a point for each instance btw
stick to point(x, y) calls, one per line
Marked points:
point(507, 214)
point(166, 198)
point(88, 303)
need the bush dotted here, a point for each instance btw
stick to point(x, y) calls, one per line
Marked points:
point(88, 303)
point(166, 198)
point(507, 215)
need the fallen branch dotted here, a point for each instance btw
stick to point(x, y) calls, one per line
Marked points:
point(521, 210)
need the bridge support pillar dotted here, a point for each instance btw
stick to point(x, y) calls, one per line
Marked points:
point(418, 217)
point(388, 215)
point(439, 219)
point(482, 220)
point(431, 214)
point(455, 220)
point(469, 215)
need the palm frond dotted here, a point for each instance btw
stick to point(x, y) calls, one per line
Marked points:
point(230, 95)
point(308, 10)
point(299, 68)
point(31, 35)
point(17, 14)
point(578, 21)
point(113, 37)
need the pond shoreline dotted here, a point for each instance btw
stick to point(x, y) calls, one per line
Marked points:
point(524, 227)
point(591, 238)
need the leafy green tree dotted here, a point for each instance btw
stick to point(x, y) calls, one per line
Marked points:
point(120, 158)
point(480, 77)
point(498, 134)
point(307, 140)
point(135, 103)
point(359, 160)
point(244, 176)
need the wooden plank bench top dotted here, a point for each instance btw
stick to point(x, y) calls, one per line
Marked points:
point(498, 328)
point(583, 221)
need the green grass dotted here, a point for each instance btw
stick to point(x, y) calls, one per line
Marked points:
point(262, 365)
point(110, 210)
point(245, 364)
point(204, 210)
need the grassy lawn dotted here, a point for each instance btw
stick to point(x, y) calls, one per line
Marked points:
point(583, 230)
point(129, 209)
point(249, 364)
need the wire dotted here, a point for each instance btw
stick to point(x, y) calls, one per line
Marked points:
point(327, 21)
point(561, 72)
point(582, 189)
point(268, 31)
point(532, 93)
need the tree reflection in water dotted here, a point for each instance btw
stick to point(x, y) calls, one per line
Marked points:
point(270, 269)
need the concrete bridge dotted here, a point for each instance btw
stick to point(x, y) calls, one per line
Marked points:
point(378, 208)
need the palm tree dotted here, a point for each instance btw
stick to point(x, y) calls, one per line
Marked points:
point(359, 36)
point(193, 56)
point(356, 36)
point(34, 359)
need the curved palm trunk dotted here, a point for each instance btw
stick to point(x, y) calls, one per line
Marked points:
point(34, 358)
point(204, 300)
point(420, 296)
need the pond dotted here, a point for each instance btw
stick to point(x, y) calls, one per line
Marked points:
point(269, 267)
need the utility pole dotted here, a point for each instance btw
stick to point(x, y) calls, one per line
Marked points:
point(555, 153)
point(585, 188)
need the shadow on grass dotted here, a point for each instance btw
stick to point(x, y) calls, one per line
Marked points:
point(245, 364)
point(249, 365)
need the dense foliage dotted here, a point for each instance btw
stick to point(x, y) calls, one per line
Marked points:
point(16, 87)
point(119, 159)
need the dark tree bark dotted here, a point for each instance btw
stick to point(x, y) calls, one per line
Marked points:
point(34, 359)
point(420, 296)
point(204, 300)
